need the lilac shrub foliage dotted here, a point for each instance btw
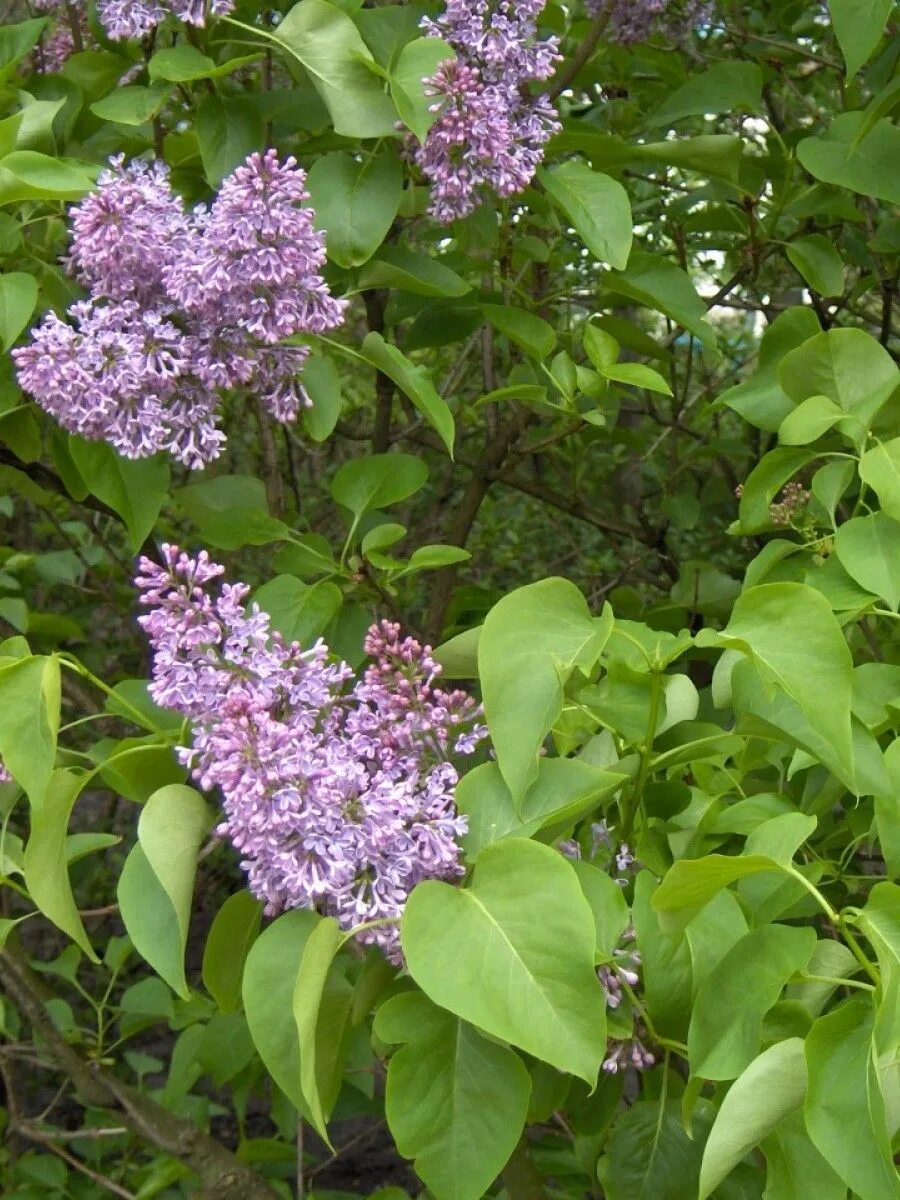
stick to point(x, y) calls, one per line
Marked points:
point(338, 794)
point(182, 306)
point(490, 134)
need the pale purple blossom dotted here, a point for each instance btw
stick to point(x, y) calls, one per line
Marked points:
point(629, 1052)
point(338, 795)
point(632, 21)
point(136, 18)
point(184, 305)
point(489, 134)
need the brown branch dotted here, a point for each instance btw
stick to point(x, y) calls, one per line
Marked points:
point(376, 302)
point(461, 526)
point(582, 54)
point(222, 1175)
point(271, 467)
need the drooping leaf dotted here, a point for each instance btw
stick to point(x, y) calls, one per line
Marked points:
point(513, 954)
point(230, 938)
point(324, 40)
point(769, 1090)
point(530, 642)
point(726, 1023)
point(46, 861)
point(597, 206)
point(842, 1085)
point(455, 1100)
point(355, 203)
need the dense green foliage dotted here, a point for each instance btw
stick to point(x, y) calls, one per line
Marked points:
point(626, 449)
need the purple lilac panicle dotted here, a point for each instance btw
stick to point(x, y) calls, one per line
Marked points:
point(489, 134)
point(338, 797)
point(136, 18)
point(633, 21)
point(182, 305)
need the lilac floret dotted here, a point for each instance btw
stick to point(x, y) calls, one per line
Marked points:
point(338, 795)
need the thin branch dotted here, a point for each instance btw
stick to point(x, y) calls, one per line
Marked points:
point(582, 54)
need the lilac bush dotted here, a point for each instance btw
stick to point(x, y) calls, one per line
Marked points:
point(338, 796)
point(490, 133)
point(183, 305)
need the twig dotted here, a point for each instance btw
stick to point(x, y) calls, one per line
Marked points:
point(582, 54)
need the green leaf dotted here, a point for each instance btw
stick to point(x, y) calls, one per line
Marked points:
point(415, 382)
point(766, 479)
point(660, 285)
point(869, 167)
point(596, 205)
point(30, 704)
point(869, 551)
point(880, 920)
point(16, 41)
point(761, 399)
point(355, 203)
point(315, 963)
point(133, 105)
point(535, 335)
point(843, 1096)
point(322, 382)
point(796, 1169)
point(229, 941)
point(18, 296)
point(364, 484)
point(650, 1157)
point(564, 790)
point(231, 511)
point(134, 488)
point(858, 26)
point(637, 375)
point(28, 175)
point(299, 611)
point(157, 883)
point(727, 87)
point(46, 863)
point(229, 128)
point(270, 975)
point(808, 421)
point(608, 906)
point(666, 963)
point(416, 64)
point(846, 365)
point(768, 1091)
point(397, 267)
point(455, 1100)
point(818, 263)
point(183, 64)
point(726, 1024)
point(530, 643)
point(329, 47)
point(880, 469)
point(796, 643)
point(513, 954)
point(690, 884)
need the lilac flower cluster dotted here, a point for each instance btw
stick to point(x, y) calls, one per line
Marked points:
point(59, 44)
point(338, 796)
point(489, 134)
point(617, 978)
point(136, 18)
point(182, 305)
point(632, 21)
